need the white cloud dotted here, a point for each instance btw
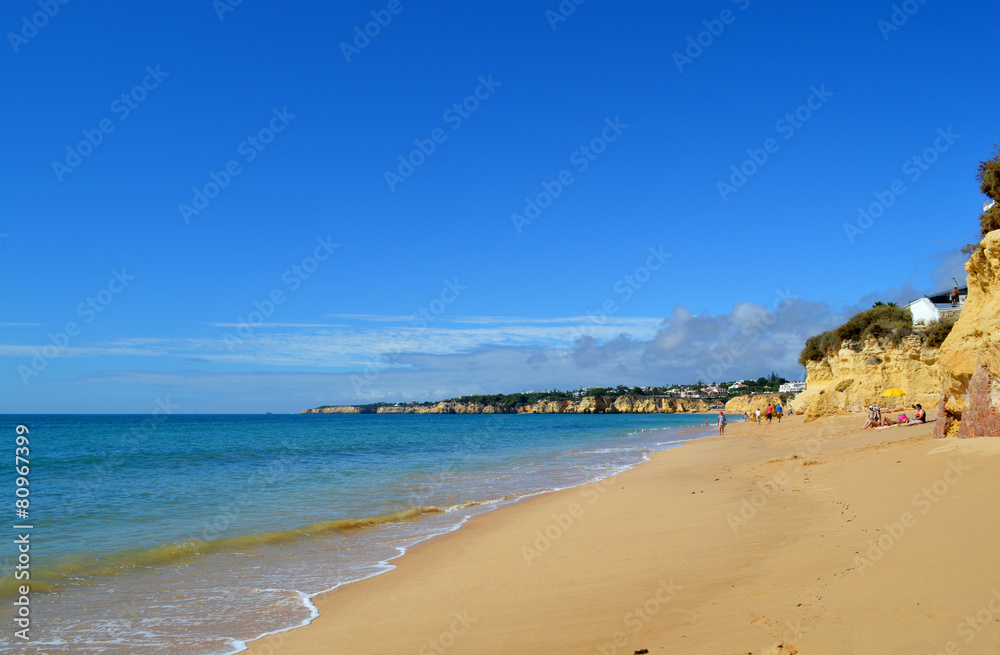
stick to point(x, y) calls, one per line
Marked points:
point(408, 363)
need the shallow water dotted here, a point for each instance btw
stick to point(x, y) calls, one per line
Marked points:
point(193, 534)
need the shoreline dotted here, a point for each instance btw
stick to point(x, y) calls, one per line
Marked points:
point(689, 434)
point(581, 570)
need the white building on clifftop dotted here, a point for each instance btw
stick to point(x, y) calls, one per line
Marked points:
point(937, 305)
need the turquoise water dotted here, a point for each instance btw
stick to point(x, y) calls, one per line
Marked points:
point(193, 534)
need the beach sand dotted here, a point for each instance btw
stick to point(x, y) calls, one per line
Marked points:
point(811, 538)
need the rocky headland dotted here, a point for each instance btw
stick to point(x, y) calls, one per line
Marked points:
point(588, 405)
point(969, 362)
point(961, 376)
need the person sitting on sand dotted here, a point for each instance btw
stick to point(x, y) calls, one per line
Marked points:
point(921, 415)
point(870, 423)
point(722, 422)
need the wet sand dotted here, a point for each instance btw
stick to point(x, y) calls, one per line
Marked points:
point(811, 538)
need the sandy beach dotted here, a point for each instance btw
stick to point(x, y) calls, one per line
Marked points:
point(785, 538)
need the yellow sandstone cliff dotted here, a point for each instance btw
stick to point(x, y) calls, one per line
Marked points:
point(750, 404)
point(970, 356)
point(587, 405)
point(855, 377)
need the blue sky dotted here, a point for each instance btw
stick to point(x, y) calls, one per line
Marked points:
point(481, 197)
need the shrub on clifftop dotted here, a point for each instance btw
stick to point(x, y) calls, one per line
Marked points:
point(988, 176)
point(887, 323)
point(937, 332)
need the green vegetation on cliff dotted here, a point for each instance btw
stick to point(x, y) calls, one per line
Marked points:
point(513, 402)
point(988, 176)
point(887, 323)
point(989, 183)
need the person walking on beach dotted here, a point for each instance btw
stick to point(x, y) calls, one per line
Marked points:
point(769, 413)
point(722, 423)
point(777, 410)
point(757, 417)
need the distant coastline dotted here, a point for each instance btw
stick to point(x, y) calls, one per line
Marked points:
point(627, 404)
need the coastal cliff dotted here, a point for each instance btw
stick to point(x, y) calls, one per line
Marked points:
point(970, 356)
point(854, 377)
point(587, 405)
point(750, 404)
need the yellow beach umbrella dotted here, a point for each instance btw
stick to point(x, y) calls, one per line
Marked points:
point(893, 392)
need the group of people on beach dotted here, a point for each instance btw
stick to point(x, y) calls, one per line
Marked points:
point(876, 420)
point(770, 412)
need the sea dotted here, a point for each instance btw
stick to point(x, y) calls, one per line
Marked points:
point(195, 534)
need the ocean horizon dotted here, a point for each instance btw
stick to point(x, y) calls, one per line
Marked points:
point(197, 533)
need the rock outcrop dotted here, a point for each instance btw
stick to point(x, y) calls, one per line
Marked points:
point(856, 376)
point(587, 405)
point(751, 404)
point(339, 409)
point(970, 356)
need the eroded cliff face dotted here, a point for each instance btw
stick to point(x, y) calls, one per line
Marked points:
point(337, 409)
point(855, 377)
point(620, 405)
point(751, 404)
point(588, 405)
point(650, 405)
point(970, 356)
